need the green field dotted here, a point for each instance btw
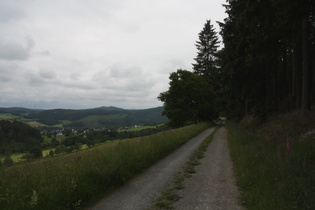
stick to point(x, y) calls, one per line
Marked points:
point(35, 124)
point(48, 139)
point(8, 116)
point(30, 122)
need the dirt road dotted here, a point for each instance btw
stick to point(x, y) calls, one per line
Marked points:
point(213, 184)
point(211, 187)
point(141, 192)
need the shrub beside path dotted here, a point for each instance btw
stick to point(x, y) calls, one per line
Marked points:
point(213, 185)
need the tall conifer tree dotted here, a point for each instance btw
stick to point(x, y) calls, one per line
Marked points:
point(207, 51)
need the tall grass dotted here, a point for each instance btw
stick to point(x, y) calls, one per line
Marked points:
point(277, 174)
point(77, 180)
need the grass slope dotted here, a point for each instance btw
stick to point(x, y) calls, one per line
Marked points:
point(76, 180)
point(275, 165)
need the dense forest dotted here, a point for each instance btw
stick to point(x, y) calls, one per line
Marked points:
point(266, 65)
point(17, 137)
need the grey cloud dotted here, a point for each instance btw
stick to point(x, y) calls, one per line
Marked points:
point(136, 44)
point(75, 76)
point(80, 85)
point(41, 77)
point(47, 78)
point(128, 79)
point(10, 10)
point(7, 72)
point(121, 71)
point(44, 53)
point(12, 50)
point(5, 78)
point(30, 43)
point(46, 74)
point(34, 79)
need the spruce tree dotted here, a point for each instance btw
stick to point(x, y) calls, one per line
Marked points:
point(207, 51)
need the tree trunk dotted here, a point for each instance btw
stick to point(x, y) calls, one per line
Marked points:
point(313, 76)
point(297, 68)
point(305, 67)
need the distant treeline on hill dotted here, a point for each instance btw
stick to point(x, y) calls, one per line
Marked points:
point(89, 118)
point(17, 137)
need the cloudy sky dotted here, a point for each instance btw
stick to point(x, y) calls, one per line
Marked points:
point(91, 53)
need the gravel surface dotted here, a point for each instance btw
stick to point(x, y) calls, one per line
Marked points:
point(141, 192)
point(213, 184)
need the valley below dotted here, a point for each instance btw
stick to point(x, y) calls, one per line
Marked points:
point(84, 118)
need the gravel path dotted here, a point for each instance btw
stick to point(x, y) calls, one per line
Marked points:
point(213, 184)
point(141, 192)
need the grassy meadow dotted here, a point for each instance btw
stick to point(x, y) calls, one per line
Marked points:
point(7, 116)
point(275, 164)
point(76, 180)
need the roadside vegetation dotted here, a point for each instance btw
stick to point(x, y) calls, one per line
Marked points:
point(275, 162)
point(76, 180)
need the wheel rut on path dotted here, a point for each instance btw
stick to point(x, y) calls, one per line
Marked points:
point(213, 185)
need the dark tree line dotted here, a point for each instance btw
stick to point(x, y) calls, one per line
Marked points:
point(266, 60)
point(17, 137)
point(266, 65)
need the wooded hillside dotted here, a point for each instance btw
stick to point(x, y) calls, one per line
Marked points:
point(87, 118)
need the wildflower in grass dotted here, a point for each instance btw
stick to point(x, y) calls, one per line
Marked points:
point(73, 184)
point(77, 204)
point(34, 199)
point(289, 146)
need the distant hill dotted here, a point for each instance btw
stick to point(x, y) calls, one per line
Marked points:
point(88, 118)
point(109, 108)
point(18, 110)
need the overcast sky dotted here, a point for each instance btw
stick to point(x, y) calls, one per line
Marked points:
point(91, 53)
